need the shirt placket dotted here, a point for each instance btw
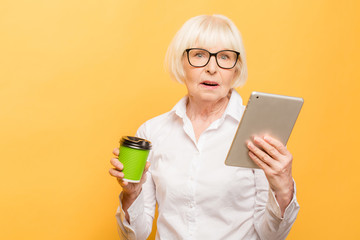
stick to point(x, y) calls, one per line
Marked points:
point(192, 180)
point(192, 206)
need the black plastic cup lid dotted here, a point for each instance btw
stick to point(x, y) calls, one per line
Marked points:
point(135, 142)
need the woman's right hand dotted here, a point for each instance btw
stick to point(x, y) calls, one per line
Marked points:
point(130, 190)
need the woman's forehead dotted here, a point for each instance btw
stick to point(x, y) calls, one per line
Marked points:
point(213, 45)
point(215, 39)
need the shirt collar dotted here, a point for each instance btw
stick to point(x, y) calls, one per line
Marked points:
point(234, 108)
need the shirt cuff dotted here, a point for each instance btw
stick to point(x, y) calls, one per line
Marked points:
point(274, 207)
point(136, 208)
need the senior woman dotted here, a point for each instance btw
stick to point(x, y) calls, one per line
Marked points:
point(198, 196)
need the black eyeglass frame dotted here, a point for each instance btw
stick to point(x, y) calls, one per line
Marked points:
point(211, 54)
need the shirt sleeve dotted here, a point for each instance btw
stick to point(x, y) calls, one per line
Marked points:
point(269, 223)
point(142, 210)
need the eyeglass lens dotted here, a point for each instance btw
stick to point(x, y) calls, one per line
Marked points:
point(200, 57)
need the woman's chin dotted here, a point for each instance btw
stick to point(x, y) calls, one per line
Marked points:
point(211, 97)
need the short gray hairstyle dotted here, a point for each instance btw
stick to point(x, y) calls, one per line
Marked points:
point(206, 31)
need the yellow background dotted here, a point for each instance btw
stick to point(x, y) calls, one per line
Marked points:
point(77, 75)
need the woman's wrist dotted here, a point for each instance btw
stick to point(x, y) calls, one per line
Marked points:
point(131, 195)
point(284, 197)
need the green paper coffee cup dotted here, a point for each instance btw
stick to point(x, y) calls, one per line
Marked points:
point(133, 155)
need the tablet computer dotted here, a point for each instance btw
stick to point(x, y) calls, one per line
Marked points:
point(265, 114)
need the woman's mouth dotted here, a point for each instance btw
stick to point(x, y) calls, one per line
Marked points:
point(210, 84)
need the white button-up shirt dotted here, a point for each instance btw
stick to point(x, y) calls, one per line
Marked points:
point(198, 196)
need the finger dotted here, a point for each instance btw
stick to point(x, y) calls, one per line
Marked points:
point(261, 155)
point(258, 162)
point(117, 164)
point(277, 144)
point(115, 173)
point(269, 149)
point(122, 182)
point(116, 151)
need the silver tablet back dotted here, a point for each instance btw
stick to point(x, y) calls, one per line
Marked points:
point(265, 114)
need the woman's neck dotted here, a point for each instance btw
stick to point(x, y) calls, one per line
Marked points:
point(203, 113)
point(205, 110)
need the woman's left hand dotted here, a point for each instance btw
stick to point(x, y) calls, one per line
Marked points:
point(276, 161)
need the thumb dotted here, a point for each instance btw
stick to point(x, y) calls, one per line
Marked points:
point(147, 166)
point(143, 177)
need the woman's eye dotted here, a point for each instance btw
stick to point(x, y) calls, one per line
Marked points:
point(199, 55)
point(224, 57)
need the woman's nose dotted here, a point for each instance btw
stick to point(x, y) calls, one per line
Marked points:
point(212, 66)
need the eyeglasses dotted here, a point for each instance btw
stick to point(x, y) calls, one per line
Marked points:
point(199, 57)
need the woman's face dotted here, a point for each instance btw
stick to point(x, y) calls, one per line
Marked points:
point(209, 83)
